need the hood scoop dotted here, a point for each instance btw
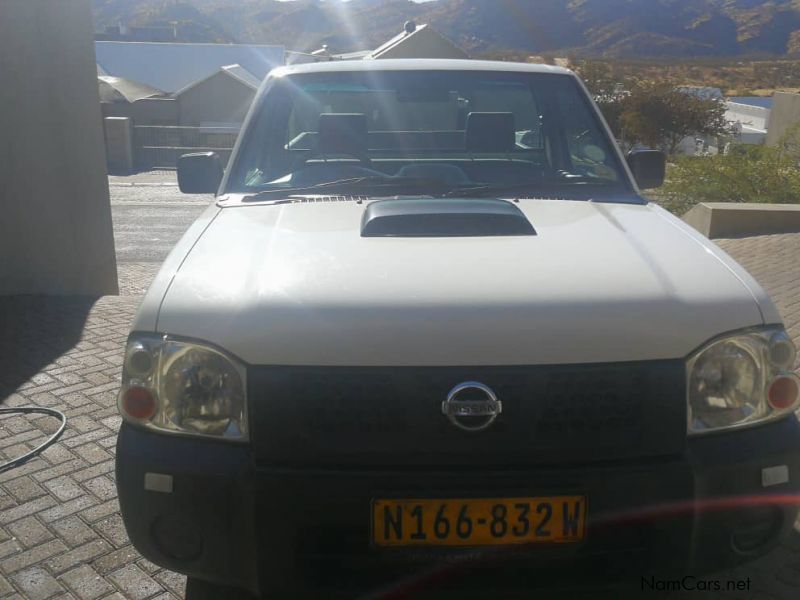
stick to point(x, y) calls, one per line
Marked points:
point(444, 217)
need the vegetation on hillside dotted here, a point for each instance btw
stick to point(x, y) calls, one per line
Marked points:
point(735, 77)
point(612, 28)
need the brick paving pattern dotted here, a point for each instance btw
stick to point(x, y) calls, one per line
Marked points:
point(135, 278)
point(61, 535)
point(775, 261)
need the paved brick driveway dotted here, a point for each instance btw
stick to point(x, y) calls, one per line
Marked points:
point(775, 261)
point(60, 530)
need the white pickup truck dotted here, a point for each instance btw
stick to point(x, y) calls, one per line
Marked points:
point(430, 323)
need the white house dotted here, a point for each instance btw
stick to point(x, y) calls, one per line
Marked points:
point(749, 117)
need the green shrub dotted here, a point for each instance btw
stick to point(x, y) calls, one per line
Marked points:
point(746, 174)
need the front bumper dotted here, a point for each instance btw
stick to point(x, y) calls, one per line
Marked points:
point(297, 532)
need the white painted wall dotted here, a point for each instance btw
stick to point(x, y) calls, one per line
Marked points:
point(752, 121)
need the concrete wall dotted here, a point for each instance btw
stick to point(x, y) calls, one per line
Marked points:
point(55, 228)
point(119, 145)
point(785, 113)
point(218, 99)
point(735, 219)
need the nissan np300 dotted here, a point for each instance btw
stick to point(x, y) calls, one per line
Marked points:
point(430, 320)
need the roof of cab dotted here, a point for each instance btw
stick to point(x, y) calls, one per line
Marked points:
point(416, 64)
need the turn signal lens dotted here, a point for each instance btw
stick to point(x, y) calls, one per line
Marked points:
point(139, 403)
point(784, 392)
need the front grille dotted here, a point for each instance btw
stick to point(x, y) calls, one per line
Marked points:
point(315, 416)
point(576, 404)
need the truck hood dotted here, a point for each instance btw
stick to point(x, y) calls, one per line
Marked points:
point(296, 284)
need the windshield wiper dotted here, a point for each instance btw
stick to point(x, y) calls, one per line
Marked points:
point(378, 184)
point(371, 183)
point(546, 188)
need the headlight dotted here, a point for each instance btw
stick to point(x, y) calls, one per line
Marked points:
point(183, 387)
point(741, 380)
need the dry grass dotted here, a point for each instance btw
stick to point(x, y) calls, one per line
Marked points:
point(736, 77)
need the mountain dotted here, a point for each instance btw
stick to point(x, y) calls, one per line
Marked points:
point(611, 28)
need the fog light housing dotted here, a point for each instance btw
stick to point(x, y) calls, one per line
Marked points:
point(177, 537)
point(756, 528)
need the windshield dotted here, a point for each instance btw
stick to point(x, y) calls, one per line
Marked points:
point(426, 131)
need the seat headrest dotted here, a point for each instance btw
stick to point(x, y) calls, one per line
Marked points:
point(491, 132)
point(342, 133)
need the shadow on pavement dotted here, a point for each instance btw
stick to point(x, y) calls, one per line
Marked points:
point(35, 331)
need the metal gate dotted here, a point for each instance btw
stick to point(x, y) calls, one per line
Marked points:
point(159, 147)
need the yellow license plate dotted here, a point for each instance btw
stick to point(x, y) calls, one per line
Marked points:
point(478, 521)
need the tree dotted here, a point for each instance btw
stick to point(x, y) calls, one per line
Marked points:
point(661, 116)
point(600, 78)
point(607, 89)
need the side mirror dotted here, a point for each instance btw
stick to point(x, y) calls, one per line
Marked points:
point(199, 173)
point(648, 167)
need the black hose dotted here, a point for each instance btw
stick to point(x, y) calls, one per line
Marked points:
point(27, 410)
